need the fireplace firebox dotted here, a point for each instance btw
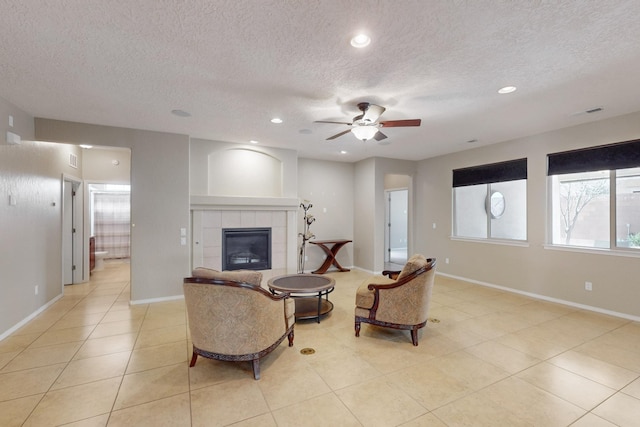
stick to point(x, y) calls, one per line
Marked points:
point(246, 248)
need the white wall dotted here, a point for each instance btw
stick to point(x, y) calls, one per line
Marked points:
point(534, 269)
point(98, 165)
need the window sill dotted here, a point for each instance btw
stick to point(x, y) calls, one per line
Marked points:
point(503, 242)
point(595, 251)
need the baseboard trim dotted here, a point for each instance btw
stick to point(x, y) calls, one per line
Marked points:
point(28, 318)
point(153, 300)
point(545, 298)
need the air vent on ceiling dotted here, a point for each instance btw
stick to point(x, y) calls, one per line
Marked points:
point(73, 160)
point(594, 110)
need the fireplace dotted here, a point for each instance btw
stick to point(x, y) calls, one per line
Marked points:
point(246, 248)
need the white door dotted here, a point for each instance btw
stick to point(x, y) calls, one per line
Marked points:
point(397, 223)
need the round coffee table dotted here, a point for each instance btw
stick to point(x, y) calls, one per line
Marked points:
point(301, 287)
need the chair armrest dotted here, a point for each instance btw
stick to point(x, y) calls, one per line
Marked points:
point(260, 289)
point(391, 274)
point(400, 282)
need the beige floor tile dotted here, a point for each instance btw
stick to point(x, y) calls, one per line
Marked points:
point(147, 386)
point(591, 420)
point(429, 386)
point(208, 372)
point(614, 349)
point(469, 370)
point(97, 368)
point(172, 411)
point(130, 313)
point(17, 342)
point(77, 319)
point(283, 387)
point(342, 369)
point(155, 337)
point(633, 389)
point(325, 410)
point(621, 409)
point(380, 402)
point(571, 387)
point(390, 356)
point(13, 413)
point(43, 356)
point(116, 328)
point(154, 357)
point(264, 420)
point(75, 403)
point(7, 357)
point(29, 381)
point(506, 358)
point(530, 342)
point(98, 421)
point(106, 345)
point(426, 420)
point(594, 369)
point(532, 404)
point(227, 403)
point(478, 410)
point(61, 336)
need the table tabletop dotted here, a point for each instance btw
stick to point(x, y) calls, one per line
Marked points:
point(301, 283)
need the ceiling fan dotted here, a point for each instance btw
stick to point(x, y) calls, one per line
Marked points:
point(366, 125)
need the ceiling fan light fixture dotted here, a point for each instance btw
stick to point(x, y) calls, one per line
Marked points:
point(360, 41)
point(364, 133)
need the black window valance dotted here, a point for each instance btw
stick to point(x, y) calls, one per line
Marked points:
point(495, 172)
point(603, 157)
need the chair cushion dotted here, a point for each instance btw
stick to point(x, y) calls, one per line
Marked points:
point(247, 276)
point(364, 296)
point(416, 262)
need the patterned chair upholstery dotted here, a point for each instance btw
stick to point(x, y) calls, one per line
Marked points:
point(402, 303)
point(232, 318)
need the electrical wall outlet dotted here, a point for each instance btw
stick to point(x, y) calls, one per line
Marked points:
point(588, 286)
point(37, 289)
point(446, 260)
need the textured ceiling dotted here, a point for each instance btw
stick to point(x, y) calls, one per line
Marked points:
point(236, 64)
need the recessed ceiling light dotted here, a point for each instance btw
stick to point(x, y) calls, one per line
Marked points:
point(180, 113)
point(507, 89)
point(343, 152)
point(253, 141)
point(86, 146)
point(360, 41)
point(276, 120)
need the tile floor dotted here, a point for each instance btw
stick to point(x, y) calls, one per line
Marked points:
point(493, 359)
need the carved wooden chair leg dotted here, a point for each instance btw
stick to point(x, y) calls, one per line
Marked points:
point(414, 335)
point(256, 368)
point(357, 328)
point(290, 337)
point(193, 359)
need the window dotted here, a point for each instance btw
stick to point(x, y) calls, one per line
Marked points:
point(490, 201)
point(595, 196)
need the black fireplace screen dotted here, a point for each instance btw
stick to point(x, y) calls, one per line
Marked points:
point(246, 248)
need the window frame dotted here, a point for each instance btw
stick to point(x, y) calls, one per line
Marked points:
point(610, 158)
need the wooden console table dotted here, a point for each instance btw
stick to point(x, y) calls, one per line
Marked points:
point(331, 254)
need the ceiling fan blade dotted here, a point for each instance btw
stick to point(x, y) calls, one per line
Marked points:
point(372, 113)
point(379, 136)
point(337, 123)
point(401, 123)
point(338, 135)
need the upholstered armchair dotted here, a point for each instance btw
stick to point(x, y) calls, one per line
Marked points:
point(400, 304)
point(232, 318)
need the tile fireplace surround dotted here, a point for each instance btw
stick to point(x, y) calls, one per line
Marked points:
point(210, 214)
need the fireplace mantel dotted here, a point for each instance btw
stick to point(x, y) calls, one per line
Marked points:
point(210, 214)
point(244, 203)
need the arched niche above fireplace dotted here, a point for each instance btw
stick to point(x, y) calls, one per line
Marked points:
point(242, 172)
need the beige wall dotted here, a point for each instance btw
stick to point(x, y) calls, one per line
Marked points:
point(328, 185)
point(159, 200)
point(98, 165)
point(558, 274)
point(31, 237)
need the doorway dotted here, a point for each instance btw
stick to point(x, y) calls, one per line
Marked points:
point(396, 239)
point(72, 231)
